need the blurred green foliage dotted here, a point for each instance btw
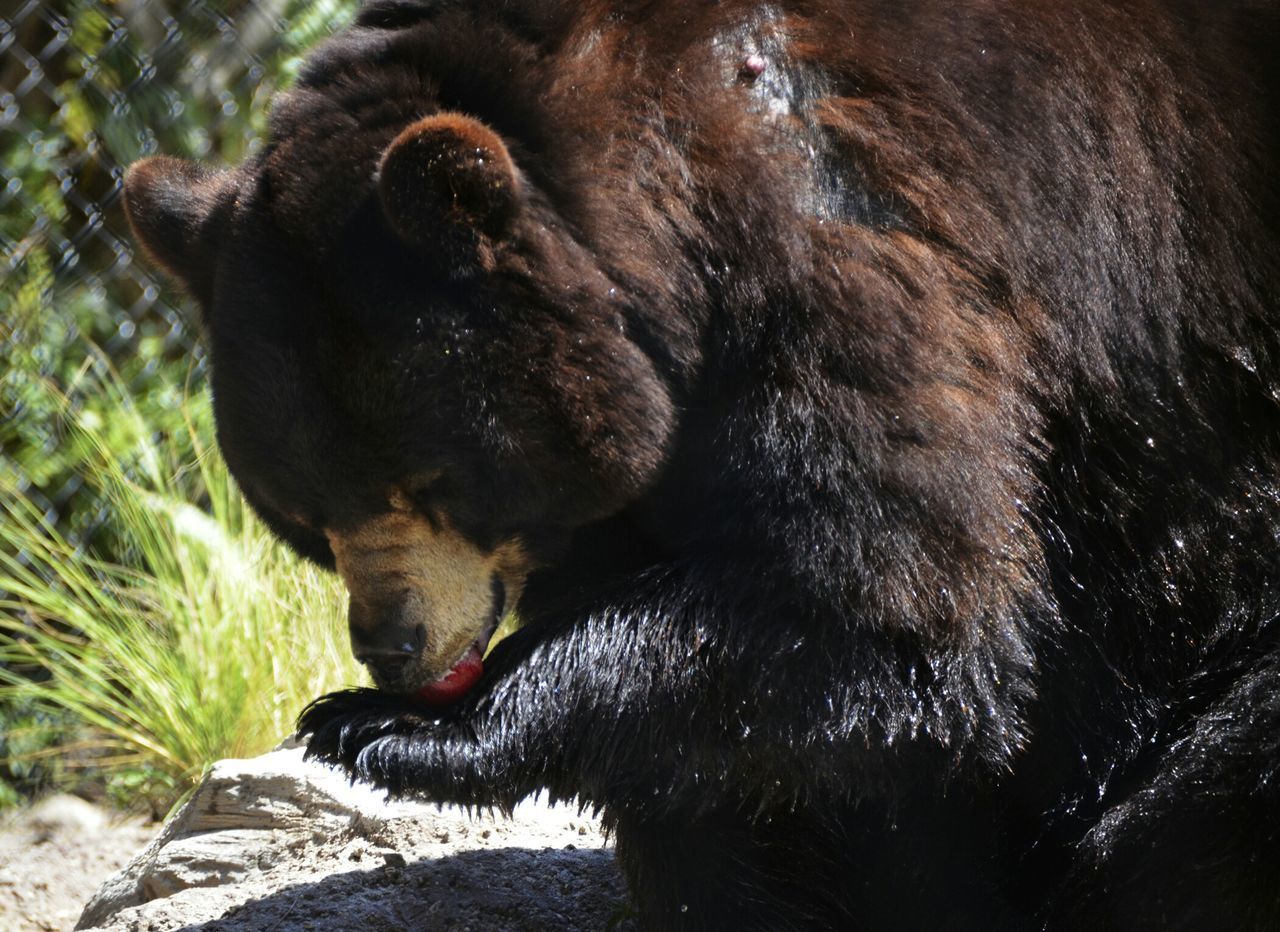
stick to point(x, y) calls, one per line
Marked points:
point(86, 88)
point(202, 638)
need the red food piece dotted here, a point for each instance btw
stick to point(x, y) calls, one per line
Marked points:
point(457, 682)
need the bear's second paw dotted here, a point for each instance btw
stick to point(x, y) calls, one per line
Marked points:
point(341, 727)
point(376, 739)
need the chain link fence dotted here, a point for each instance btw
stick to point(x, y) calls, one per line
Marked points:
point(86, 88)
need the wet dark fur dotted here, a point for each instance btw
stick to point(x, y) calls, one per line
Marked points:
point(913, 551)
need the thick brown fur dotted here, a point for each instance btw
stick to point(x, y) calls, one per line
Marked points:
point(886, 391)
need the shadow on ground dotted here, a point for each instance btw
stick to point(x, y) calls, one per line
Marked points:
point(492, 890)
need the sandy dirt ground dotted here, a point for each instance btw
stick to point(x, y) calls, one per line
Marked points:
point(55, 855)
point(545, 870)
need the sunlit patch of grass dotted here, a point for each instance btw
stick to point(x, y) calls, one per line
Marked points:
point(201, 638)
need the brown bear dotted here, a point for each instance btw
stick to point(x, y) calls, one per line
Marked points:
point(871, 409)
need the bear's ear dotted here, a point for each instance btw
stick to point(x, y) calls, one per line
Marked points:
point(448, 183)
point(173, 208)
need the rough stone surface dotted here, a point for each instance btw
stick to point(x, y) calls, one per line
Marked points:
point(276, 843)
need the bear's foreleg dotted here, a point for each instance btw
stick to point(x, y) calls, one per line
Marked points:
point(687, 685)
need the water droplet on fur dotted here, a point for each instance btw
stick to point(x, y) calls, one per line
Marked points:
point(1246, 361)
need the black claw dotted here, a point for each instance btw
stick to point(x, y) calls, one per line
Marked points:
point(376, 738)
point(339, 727)
point(376, 765)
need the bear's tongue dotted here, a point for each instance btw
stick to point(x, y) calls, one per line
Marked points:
point(454, 684)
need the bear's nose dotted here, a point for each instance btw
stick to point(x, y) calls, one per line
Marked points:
point(387, 644)
point(385, 668)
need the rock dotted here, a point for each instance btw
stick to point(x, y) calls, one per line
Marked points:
point(265, 841)
point(64, 813)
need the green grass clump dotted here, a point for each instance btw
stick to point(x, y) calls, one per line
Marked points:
point(200, 638)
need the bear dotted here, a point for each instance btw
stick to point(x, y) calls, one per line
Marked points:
point(870, 410)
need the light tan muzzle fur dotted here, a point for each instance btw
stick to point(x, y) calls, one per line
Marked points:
point(403, 571)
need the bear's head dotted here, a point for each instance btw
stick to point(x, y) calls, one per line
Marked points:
point(420, 378)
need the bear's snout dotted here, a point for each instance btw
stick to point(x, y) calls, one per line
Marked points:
point(388, 638)
point(423, 597)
